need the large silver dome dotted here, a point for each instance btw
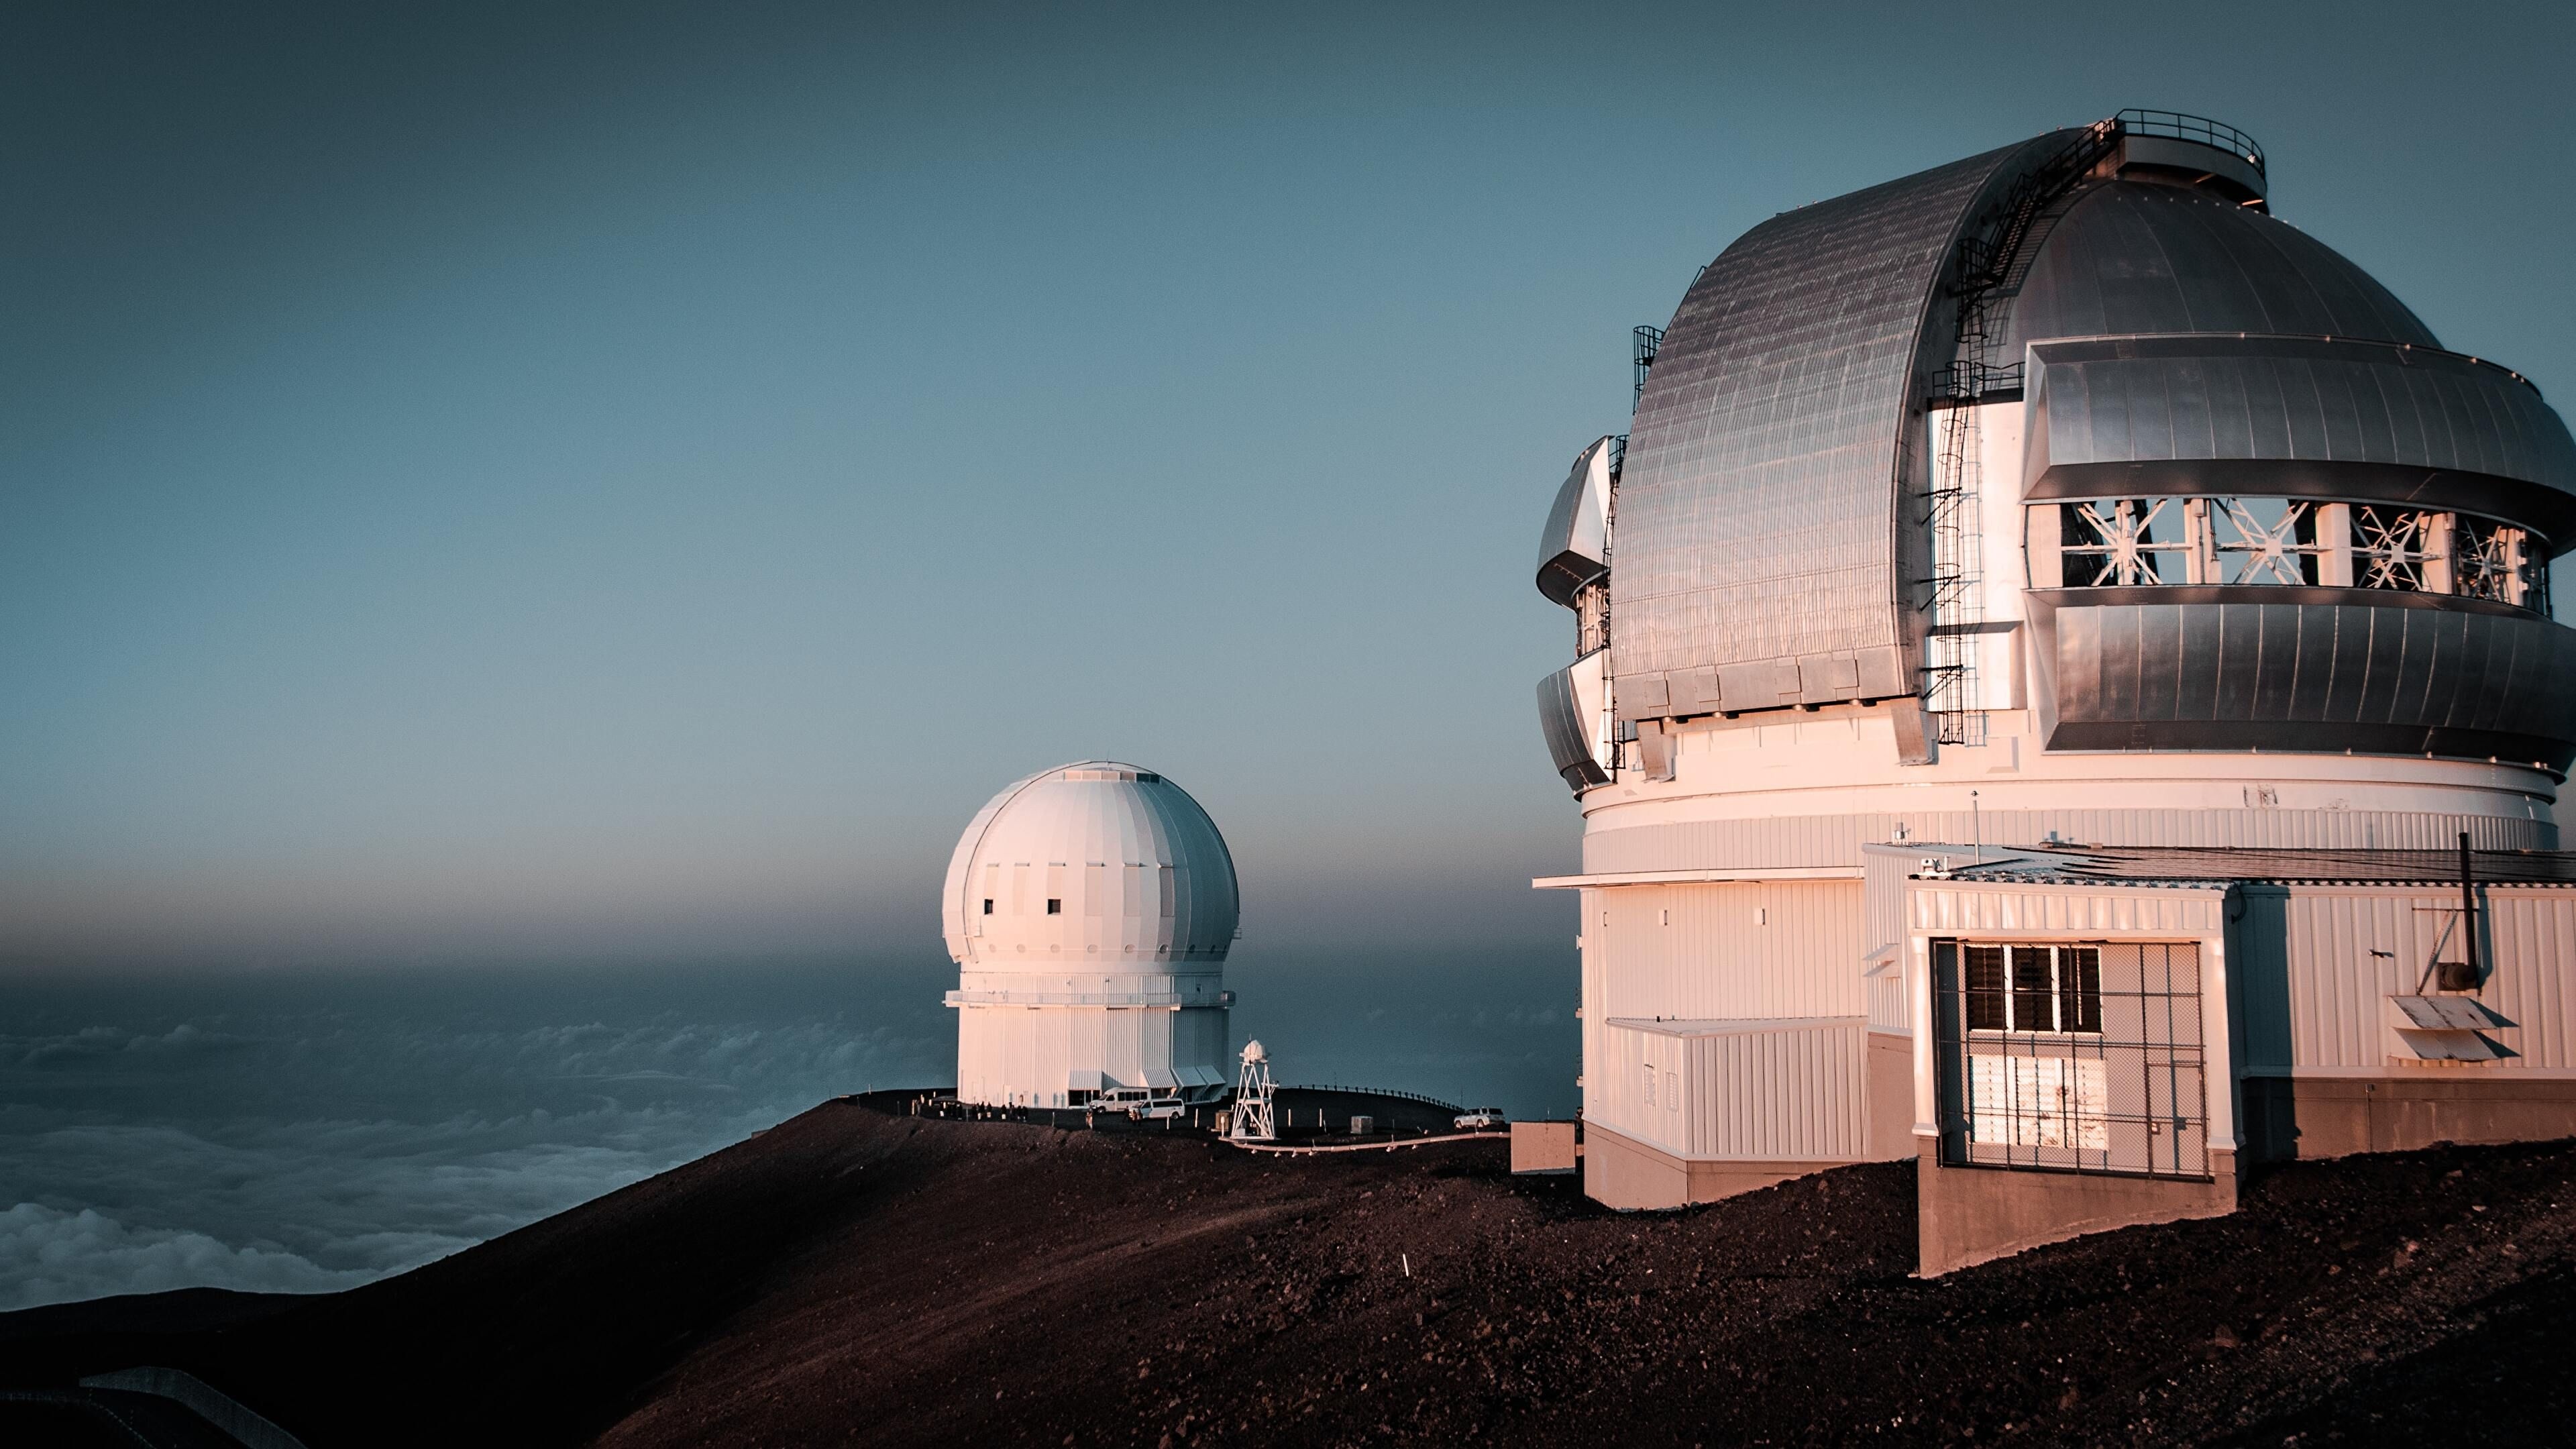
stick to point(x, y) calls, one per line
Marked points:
point(2369, 517)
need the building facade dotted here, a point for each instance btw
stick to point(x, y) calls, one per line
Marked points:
point(2060, 494)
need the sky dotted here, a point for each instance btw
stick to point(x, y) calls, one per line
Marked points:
point(515, 482)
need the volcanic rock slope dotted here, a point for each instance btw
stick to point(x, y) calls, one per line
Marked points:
point(860, 1276)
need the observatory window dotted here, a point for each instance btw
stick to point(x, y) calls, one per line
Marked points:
point(988, 905)
point(1055, 907)
point(2033, 988)
point(1985, 969)
point(1650, 1084)
point(2140, 542)
point(1591, 618)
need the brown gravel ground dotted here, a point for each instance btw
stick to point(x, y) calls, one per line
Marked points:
point(856, 1276)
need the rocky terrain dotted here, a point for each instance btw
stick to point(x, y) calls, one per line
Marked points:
point(861, 1276)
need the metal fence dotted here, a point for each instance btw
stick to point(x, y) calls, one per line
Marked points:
point(2077, 1057)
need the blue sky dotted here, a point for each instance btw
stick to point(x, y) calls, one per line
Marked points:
point(632, 481)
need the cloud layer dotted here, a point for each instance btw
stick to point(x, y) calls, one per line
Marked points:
point(303, 1132)
point(301, 1135)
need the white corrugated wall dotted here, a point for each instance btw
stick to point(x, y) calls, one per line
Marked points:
point(1740, 949)
point(2316, 997)
point(1028, 1054)
point(1795, 1091)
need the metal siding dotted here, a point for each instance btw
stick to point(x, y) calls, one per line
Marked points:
point(1836, 840)
point(1787, 1093)
point(1573, 548)
point(1719, 957)
point(2131, 257)
point(2405, 678)
point(2377, 415)
point(2338, 992)
point(1985, 909)
point(1758, 512)
point(2259, 968)
point(1595, 998)
point(1796, 1091)
point(1561, 724)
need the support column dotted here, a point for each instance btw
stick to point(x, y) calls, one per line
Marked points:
point(2044, 545)
point(2200, 534)
point(2441, 553)
point(2334, 539)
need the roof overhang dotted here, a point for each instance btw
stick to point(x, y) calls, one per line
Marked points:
point(1719, 876)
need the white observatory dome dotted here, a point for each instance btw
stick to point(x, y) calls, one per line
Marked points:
point(1087, 865)
point(1089, 908)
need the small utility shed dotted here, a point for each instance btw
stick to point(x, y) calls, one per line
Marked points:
point(2109, 1032)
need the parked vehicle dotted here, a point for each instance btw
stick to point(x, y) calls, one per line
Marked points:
point(1142, 1103)
point(1477, 1119)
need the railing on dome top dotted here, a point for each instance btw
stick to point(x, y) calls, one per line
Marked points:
point(2181, 127)
point(1989, 254)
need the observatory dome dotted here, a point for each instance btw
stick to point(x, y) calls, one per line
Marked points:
point(1089, 864)
point(2169, 390)
point(2056, 494)
point(1089, 908)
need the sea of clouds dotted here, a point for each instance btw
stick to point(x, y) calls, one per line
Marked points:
point(304, 1131)
point(307, 1133)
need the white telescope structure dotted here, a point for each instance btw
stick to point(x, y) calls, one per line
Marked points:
point(1089, 909)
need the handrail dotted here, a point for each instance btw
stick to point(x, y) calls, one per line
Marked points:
point(2182, 127)
point(1374, 1092)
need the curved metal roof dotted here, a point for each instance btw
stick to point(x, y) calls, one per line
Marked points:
point(1772, 549)
point(2297, 417)
point(1574, 549)
point(2133, 257)
point(1757, 506)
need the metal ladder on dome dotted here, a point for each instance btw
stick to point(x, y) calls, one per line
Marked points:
point(1986, 256)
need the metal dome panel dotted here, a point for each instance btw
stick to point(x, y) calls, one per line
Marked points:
point(1095, 862)
point(1574, 548)
point(1758, 505)
point(2296, 417)
point(2209, 669)
point(2133, 257)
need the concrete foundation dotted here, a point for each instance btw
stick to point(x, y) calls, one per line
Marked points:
point(1624, 1173)
point(2310, 1117)
point(1969, 1215)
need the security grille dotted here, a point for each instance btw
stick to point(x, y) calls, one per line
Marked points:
point(2081, 1058)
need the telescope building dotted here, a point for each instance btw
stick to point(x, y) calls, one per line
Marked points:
point(1089, 909)
point(2048, 649)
